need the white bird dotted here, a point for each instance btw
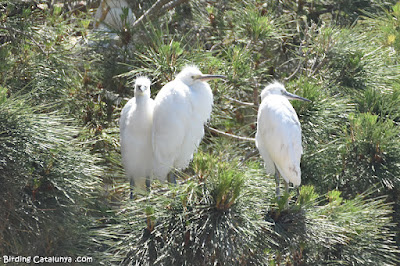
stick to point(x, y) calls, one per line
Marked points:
point(136, 135)
point(182, 107)
point(109, 13)
point(278, 136)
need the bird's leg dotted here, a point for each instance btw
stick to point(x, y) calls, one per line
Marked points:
point(132, 184)
point(277, 183)
point(148, 183)
point(286, 194)
point(171, 178)
point(286, 186)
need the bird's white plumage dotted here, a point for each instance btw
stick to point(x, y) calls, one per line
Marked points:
point(136, 134)
point(109, 14)
point(278, 136)
point(182, 107)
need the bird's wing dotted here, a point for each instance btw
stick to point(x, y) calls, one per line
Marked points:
point(281, 137)
point(201, 100)
point(172, 112)
point(124, 115)
point(262, 146)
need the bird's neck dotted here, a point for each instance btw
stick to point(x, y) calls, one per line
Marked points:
point(142, 99)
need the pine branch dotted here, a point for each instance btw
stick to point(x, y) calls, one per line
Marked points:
point(26, 35)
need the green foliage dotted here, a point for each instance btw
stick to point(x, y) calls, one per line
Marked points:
point(370, 148)
point(315, 231)
point(204, 220)
point(348, 228)
point(384, 104)
point(162, 59)
point(386, 26)
point(46, 182)
point(228, 182)
point(307, 195)
point(186, 225)
point(57, 74)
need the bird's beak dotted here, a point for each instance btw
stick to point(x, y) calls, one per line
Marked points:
point(207, 77)
point(293, 96)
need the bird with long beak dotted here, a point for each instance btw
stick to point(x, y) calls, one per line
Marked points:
point(278, 136)
point(181, 109)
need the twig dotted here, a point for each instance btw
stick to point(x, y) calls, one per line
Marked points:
point(240, 102)
point(156, 8)
point(173, 4)
point(298, 66)
point(320, 64)
point(295, 72)
point(230, 135)
point(248, 156)
point(256, 95)
point(25, 34)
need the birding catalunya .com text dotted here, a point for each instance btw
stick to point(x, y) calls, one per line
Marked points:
point(9, 259)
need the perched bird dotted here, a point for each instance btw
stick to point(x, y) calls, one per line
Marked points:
point(278, 136)
point(136, 135)
point(181, 109)
point(109, 13)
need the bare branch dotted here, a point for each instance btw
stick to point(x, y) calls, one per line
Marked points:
point(248, 155)
point(173, 4)
point(240, 102)
point(157, 8)
point(256, 95)
point(230, 135)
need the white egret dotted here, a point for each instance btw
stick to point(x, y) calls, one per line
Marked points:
point(109, 13)
point(182, 107)
point(136, 137)
point(278, 136)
